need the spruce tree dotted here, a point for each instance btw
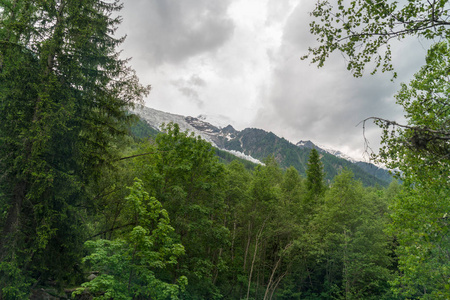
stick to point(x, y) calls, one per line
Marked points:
point(315, 175)
point(64, 96)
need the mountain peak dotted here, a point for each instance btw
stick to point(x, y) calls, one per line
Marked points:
point(306, 144)
point(255, 145)
point(229, 129)
point(202, 125)
point(218, 121)
point(310, 145)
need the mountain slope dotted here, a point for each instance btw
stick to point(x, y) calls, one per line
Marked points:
point(256, 145)
point(260, 144)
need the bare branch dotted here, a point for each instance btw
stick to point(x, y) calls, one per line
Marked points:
point(112, 229)
point(437, 134)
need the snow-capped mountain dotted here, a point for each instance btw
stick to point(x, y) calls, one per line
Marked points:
point(217, 120)
point(321, 148)
point(256, 145)
point(213, 134)
point(156, 118)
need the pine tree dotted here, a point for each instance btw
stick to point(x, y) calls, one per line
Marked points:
point(64, 95)
point(315, 175)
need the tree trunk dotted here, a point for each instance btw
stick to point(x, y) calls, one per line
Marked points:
point(258, 236)
point(8, 238)
point(271, 277)
point(247, 247)
point(277, 264)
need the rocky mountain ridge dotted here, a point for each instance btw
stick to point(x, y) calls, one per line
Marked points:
point(308, 144)
point(214, 135)
point(256, 144)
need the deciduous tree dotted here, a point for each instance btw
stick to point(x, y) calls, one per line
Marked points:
point(130, 266)
point(421, 153)
point(355, 254)
point(419, 149)
point(363, 29)
point(186, 176)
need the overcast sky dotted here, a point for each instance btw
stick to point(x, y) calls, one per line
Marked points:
point(240, 59)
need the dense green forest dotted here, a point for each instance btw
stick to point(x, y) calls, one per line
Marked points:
point(93, 209)
point(260, 144)
point(264, 233)
point(171, 221)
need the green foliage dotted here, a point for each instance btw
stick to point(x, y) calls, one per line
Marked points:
point(355, 253)
point(187, 178)
point(315, 175)
point(419, 151)
point(129, 266)
point(362, 29)
point(63, 99)
point(21, 284)
point(245, 234)
point(234, 233)
point(248, 233)
point(292, 188)
point(421, 226)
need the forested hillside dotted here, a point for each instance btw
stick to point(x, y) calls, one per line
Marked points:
point(233, 233)
point(257, 144)
point(260, 144)
point(170, 221)
point(92, 208)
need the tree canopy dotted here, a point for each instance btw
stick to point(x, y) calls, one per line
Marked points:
point(423, 143)
point(418, 150)
point(421, 153)
point(363, 29)
point(314, 174)
point(76, 221)
point(64, 96)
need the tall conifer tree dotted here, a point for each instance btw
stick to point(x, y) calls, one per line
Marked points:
point(64, 95)
point(315, 174)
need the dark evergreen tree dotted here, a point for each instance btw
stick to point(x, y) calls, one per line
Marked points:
point(315, 184)
point(64, 95)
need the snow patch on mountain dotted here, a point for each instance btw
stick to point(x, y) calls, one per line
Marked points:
point(199, 126)
point(244, 156)
point(156, 118)
point(337, 153)
point(322, 148)
point(219, 121)
point(307, 144)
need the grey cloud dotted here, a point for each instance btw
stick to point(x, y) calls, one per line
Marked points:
point(276, 10)
point(296, 100)
point(172, 30)
point(325, 105)
point(192, 95)
point(197, 81)
point(189, 88)
point(297, 31)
